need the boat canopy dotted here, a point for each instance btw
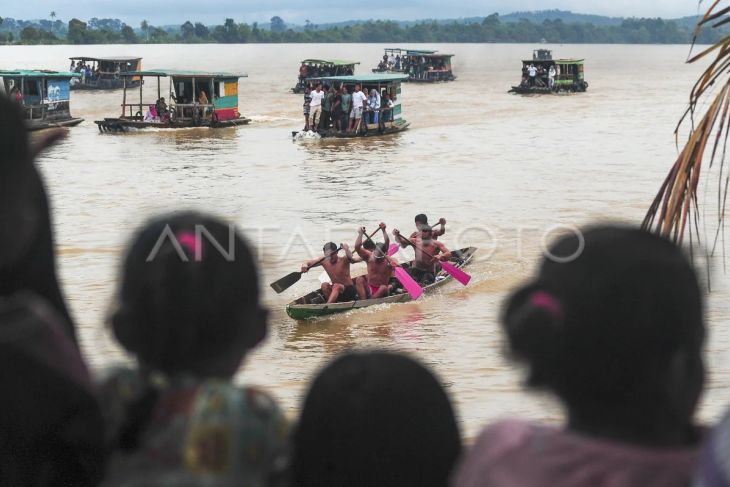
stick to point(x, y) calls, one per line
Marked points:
point(32, 73)
point(412, 52)
point(369, 78)
point(184, 74)
point(331, 62)
point(554, 61)
point(115, 59)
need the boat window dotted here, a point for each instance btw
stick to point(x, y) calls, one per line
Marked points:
point(32, 88)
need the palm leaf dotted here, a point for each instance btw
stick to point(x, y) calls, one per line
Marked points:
point(675, 209)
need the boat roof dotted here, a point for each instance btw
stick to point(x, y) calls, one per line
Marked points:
point(368, 78)
point(437, 55)
point(119, 59)
point(412, 51)
point(184, 74)
point(40, 73)
point(331, 62)
point(556, 61)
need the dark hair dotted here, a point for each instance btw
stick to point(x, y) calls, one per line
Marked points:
point(329, 247)
point(421, 218)
point(27, 256)
point(182, 302)
point(602, 328)
point(383, 249)
point(425, 228)
point(369, 244)
point(375, 419)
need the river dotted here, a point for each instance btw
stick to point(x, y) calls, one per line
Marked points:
point(506, 171)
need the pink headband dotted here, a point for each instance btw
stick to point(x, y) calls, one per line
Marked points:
point(188, 240)
point(548, 302)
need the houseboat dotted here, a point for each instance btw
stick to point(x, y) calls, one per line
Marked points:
point(374, 122)
point(45, 95)
point(544, 75)
point(194, 99)
point(104, 73)
point(421, 65)
point(315, 69)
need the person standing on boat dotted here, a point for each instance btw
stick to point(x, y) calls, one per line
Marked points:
point(307, 106)
point(346, 106)
point(551, 77)
point(532, 72)
point(336, 109)
point(358, 102)
point(342, 288)
point(380, 267)
point(429, 252)
point(316, 106)
point(327, 102)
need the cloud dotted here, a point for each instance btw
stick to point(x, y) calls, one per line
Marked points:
point(296, 11)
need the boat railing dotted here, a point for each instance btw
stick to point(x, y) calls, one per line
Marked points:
point(188, 110)
point(35, 112)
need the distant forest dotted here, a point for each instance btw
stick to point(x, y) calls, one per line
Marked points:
point(551, 29)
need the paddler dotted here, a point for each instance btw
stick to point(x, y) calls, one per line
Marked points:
point(422, 220)
point(342, 288)
point(380, 267)
point(429, 252)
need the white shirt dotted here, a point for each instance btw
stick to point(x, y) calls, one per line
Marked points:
point(358, 98)
point(532, 70)
point(551, 73)
point(316, 98)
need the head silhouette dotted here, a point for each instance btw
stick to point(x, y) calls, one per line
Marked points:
point(375, 418)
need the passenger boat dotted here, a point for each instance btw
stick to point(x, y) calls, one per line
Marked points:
point(314, 305)
point(382, 122)
point(421, 65)
point(319, 68)
point(109, 71)
point(45, 95)
point(185, 109)
point(569, 75)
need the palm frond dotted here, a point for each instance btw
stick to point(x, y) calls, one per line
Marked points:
point(676, 204)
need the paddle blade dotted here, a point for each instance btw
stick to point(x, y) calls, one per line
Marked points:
point(286, 282)
point(456, 273)
point(393, 249)
point(409, 284)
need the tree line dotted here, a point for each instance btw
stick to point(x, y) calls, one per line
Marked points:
point(490, 29)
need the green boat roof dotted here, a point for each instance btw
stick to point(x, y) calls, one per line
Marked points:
point(184, 74)
point(412, 51)
point(33, 73)
point(331, 62)
point(118, 59)
point(368, 78)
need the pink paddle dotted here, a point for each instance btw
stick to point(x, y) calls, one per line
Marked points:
point(408, 283)
point(456, 273)
point(393, 249)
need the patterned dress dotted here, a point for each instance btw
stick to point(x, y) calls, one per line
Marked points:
point(199, 433)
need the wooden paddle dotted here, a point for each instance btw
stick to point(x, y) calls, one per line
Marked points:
point(454, 271)
point(290, 279)
point(409, 284)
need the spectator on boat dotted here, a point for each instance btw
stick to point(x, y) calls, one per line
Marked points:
point(358, 103)
point(373, 106)
point(307, 106)
point(532, 73)
point(551, 77)
point(50, 422)
point(15, 94)
point(303, 70)
point(375, 418)
point(397, 62)
point(327, 103)
point(162, 111)
point(189, 310)
point(346, 108)
point(612, 325)
point(316, 105)
point(73, 66)
point(386, 114)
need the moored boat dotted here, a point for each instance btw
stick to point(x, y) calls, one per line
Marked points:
point(45, 96)
point(313, 305)
point(197, 99)
point(383, 121)
point(312, 70)
point(106, 72)
point(421, 65)
point(544, 75)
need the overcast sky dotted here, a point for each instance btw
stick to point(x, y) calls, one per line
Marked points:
point(319, 11)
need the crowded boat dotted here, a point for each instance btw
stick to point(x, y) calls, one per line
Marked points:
point(104, 73)
point(353, 106)
point(421, 65)
point(544, 75)
point(312, 70)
